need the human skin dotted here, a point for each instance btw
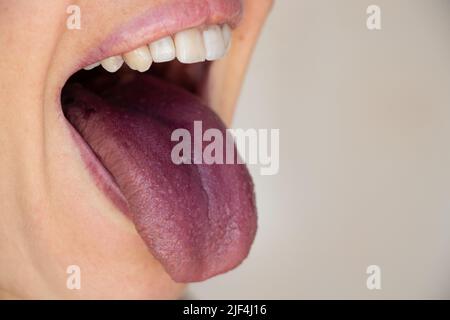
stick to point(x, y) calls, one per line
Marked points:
point(52, 214)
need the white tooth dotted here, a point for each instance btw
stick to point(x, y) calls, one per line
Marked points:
point(163, 50)
point(227, 33)
point(92, 66)
point(112, 64)
point(214, 43)
point(139, 59)
point(189, 46)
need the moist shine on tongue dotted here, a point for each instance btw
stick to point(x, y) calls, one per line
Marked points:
point(198, 220)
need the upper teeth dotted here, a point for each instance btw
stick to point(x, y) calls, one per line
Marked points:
point(188, 46)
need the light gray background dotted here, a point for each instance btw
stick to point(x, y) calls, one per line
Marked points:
point(365, 153)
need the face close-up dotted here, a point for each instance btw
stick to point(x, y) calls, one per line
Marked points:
point(92, 94)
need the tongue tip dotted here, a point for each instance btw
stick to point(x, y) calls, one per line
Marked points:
point(189, 262)
point(211, 269)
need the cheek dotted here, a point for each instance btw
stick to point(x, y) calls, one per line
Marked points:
point(227, 74)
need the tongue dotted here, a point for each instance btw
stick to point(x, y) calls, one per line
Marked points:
point(198, 220)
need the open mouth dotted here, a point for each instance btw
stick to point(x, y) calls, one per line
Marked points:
point(198, 220)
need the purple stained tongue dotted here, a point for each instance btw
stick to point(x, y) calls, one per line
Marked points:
point(197, 220)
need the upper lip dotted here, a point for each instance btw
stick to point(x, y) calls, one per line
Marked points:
point(166, 19)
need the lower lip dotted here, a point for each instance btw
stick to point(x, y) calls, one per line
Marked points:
point(102, 178)
point(166, 19)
